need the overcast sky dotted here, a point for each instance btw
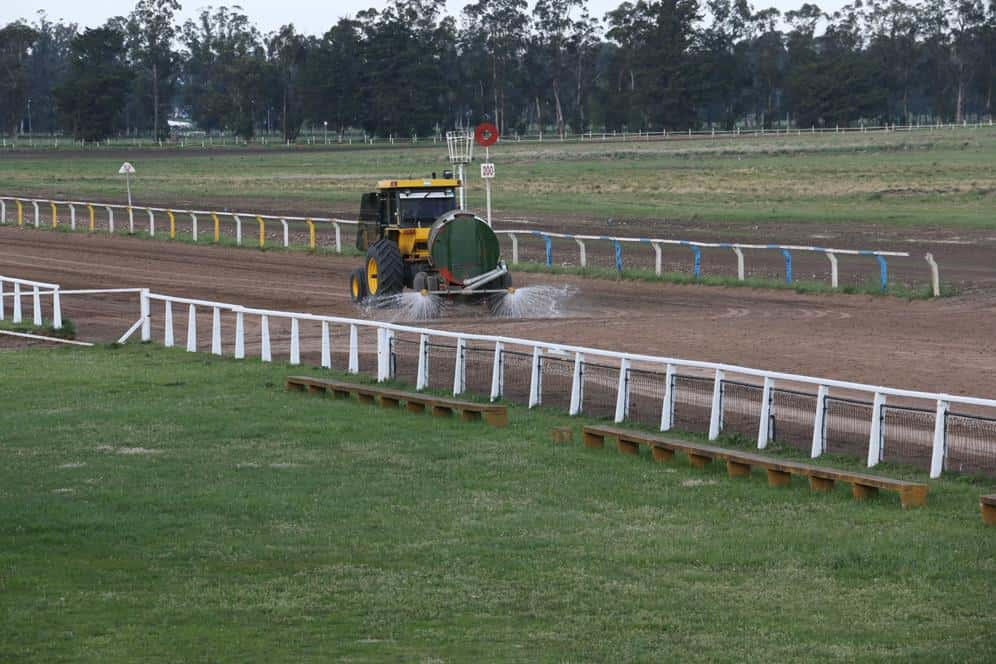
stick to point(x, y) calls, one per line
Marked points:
point(309, 16)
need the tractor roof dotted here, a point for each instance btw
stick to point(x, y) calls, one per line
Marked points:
point(426, 183)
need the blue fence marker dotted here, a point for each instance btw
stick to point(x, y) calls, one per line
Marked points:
point(788, 265)
point(697, 265)
point(549, 250)
point(883, 272)
point(618, 255)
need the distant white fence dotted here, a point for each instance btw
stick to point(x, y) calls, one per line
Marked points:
point(15, 290)
point(30, 211)
point(625, 386)
point(248, 226)
point(314, 138)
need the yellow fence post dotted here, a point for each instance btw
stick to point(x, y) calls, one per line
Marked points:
point(55, 216)
point(20, 213)
point(93, 219)
point(172, 225)
point(262, 232)
point(311, 233)
point(217, 227)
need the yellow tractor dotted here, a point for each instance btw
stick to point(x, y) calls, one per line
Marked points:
point(415, 236)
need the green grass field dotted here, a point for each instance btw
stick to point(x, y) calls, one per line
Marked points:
point(159, 505)
point(943, 178)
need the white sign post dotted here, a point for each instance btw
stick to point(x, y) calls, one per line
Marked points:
point(487, 174)
point(126, 170)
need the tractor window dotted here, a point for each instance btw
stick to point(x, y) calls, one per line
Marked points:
point(421, 208)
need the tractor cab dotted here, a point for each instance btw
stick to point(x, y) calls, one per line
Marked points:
point(404, 210)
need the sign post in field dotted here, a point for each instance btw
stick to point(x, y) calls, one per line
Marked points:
point(486, 135)
point(126, 170)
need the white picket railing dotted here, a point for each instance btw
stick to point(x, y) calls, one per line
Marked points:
point(85, 212)
point(19, 288)
point(696, 247)
point(581, 240)
point(667, 366)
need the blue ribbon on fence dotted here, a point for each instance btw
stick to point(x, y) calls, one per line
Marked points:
point(618, 255)
point(549, 250)
point(883, 270)
point(788, 265)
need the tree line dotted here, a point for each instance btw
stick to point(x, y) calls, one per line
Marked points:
point(411, 69)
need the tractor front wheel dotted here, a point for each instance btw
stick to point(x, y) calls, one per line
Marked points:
point(385, 269)
point(358, 284)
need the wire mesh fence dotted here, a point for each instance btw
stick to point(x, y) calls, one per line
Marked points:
point(971, 443)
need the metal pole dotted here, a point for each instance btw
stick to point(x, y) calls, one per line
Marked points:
point(487, 185)
point(460, 175)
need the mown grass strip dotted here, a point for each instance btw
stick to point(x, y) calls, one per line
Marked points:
point(157, 501)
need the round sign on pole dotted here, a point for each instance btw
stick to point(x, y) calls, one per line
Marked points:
point(486, 134)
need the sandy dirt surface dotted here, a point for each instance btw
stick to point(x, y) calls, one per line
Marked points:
point(941, 345)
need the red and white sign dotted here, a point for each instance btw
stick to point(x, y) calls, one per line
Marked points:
point(486, 134)
point(487, 171)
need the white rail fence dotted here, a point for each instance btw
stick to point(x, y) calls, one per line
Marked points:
point(325, 138)
point(248, 227)
point(16, 290)
point(921, 427)
point(29, 211)
point(738, 249)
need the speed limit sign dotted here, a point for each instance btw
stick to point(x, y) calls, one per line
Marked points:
point(487, 171)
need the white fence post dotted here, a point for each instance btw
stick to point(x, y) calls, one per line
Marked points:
point(741, 272)
point(875, 439)
point(834, 280)
point(338, 237)
point(56, 309)
point(326, 346)
point(940, 439)
point(667, 408)
point(193, 225)
point(216, 331)
point(264, 336)
point(716, 411)
point(295, 342)
point(283, 222)
point(535, 378)
point(383, 355)
point(238, 229)
point(192, 329)
point(819, 424)
point(658, 259)
point(577, 385)
point(131, 220)
point(2, 314)
point(422, 378)
point(37, 214)
point(764, 426)
point(497, 370)
point(460, 368)
point(110, 218)
point(3, 211)
point(935, 276)
point(582, 254)
point(36, 311)
point(152, 222)
point(168, 324)
point(17, 303)
point(622, 391)
point(240, 335)
point(72, 217)
point(515, 249)
point(354, 351)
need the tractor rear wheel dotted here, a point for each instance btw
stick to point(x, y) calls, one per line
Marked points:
point(358, 284)
point(385, 269)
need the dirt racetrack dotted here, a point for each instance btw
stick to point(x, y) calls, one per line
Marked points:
point(942, 345)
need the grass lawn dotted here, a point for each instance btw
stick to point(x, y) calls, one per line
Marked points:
point(159, 505)
point(944, 178)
